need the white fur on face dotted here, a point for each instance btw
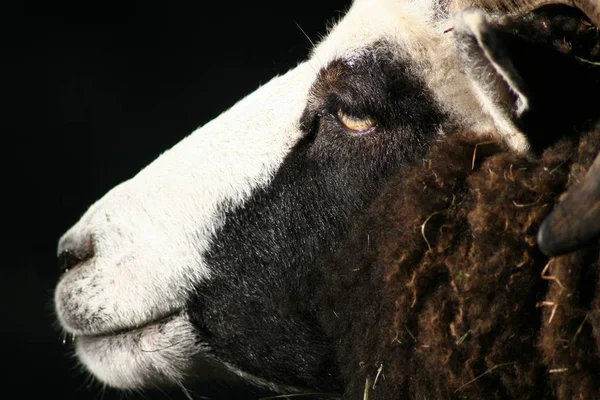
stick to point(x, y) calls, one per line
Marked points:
point(149, 233)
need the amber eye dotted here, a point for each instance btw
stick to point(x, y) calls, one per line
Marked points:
point(354, 124)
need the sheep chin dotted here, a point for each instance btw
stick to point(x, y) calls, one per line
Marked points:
point(162, 352)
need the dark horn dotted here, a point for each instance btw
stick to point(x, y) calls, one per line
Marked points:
point(591, 8)
point(575, 221)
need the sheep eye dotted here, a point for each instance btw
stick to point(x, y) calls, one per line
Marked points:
point(354, 124)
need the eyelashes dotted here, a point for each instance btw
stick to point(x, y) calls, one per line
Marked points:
point(353, 124)
point(344, 116)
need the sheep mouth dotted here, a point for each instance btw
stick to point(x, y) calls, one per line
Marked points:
point(161, 352)
point(565, 29)
point(130, 330)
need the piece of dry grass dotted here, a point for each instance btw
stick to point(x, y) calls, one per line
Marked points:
point(485, 373)
point(301, 395)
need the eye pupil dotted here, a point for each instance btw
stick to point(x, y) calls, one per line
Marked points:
point(355, 124)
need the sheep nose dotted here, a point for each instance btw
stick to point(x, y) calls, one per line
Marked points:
point(73, 252)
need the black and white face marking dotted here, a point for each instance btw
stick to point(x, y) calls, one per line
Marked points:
point(206, 254)
point(255, 312)
point(138, 251)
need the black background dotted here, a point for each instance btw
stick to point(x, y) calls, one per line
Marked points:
point(91, 93)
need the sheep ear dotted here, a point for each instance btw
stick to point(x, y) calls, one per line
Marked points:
point(498, 85)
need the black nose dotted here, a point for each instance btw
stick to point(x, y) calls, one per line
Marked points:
point(74, 252)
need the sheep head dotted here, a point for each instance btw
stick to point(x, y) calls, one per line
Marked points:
point(205, 254)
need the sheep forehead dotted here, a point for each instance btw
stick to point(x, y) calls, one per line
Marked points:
point(407, 24)
point(417, 31)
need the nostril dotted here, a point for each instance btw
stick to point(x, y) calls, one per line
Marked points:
point(73, 253)
point(67, 260)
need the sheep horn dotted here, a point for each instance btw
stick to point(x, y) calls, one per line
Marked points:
point(575, 221)
point(591, 8)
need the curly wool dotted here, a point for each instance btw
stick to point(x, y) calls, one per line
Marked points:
point(440, 292)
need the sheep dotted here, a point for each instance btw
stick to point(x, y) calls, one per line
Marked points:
point(210, 258)
point(445, 291)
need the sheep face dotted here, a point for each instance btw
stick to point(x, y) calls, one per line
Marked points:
point(204, 259)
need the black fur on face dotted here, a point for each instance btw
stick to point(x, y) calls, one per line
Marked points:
point(255, 311)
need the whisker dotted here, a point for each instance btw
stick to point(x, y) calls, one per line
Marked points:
point(313, 47)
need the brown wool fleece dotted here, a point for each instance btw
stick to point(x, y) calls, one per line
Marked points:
point(440, 292)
